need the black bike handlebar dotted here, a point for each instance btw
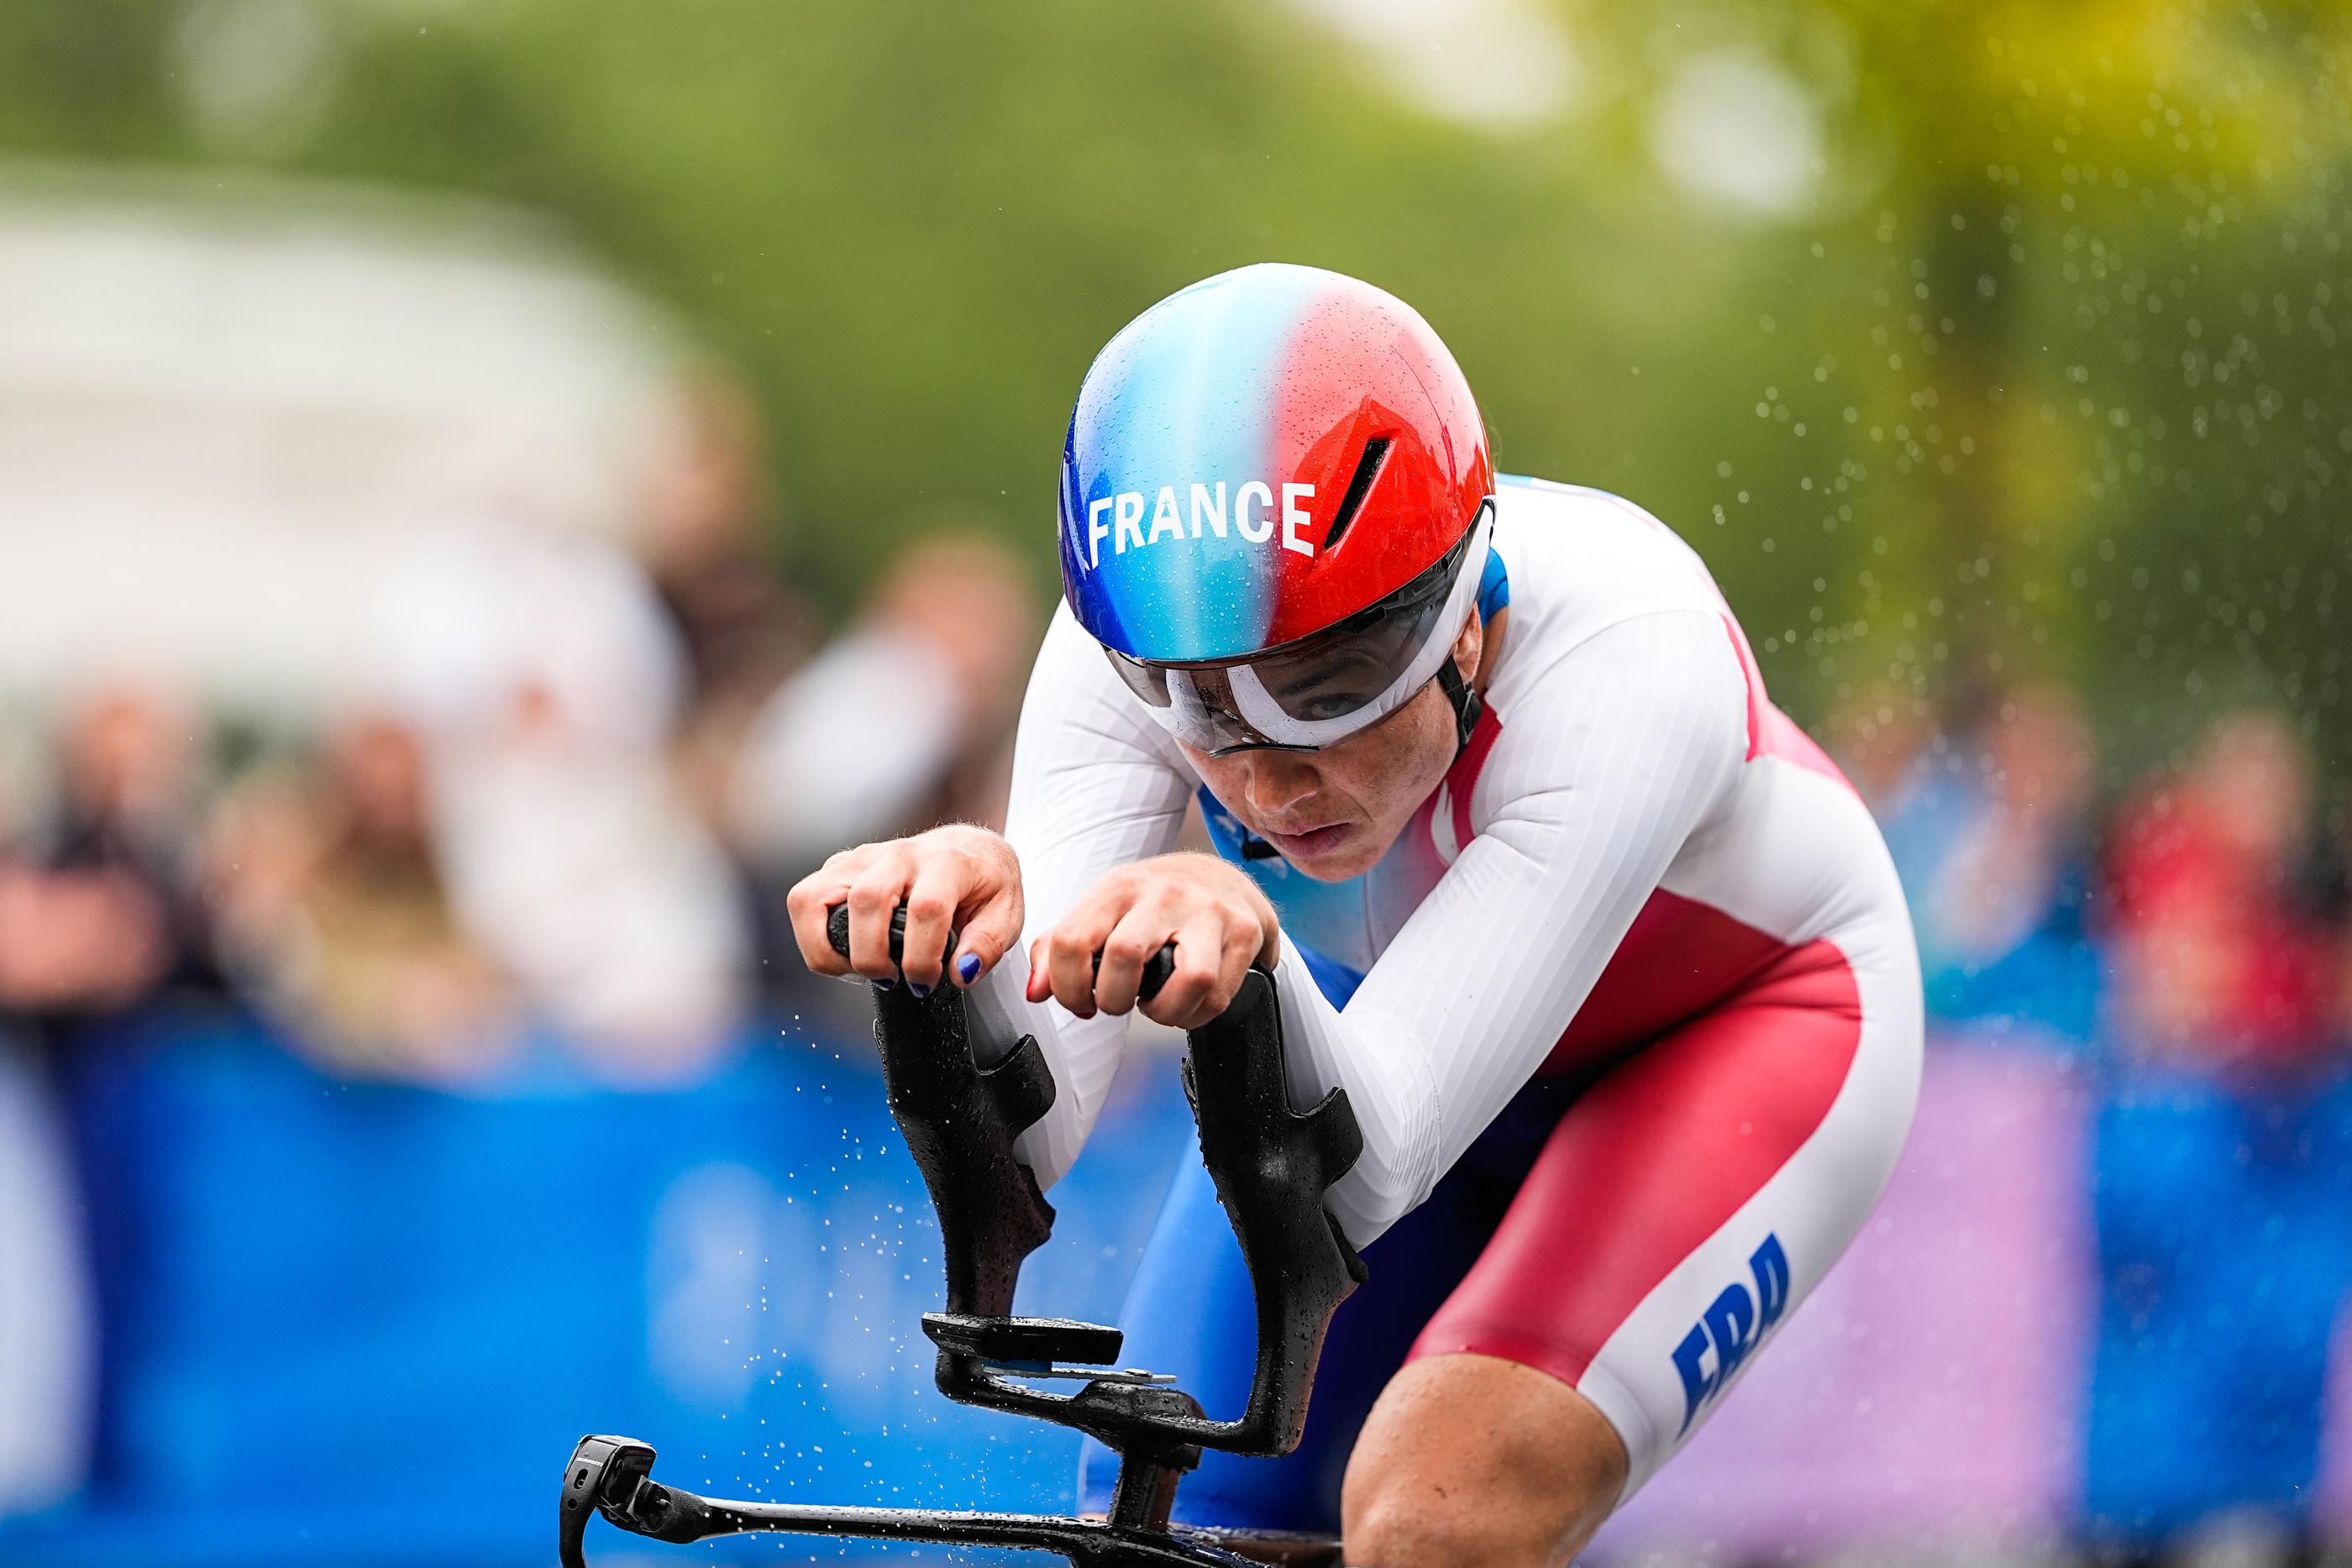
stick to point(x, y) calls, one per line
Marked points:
point(608, 1474)
point(962, 1122)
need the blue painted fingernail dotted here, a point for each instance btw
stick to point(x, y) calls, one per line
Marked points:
point(968, 967)
point(920, 991)
point(886, 985)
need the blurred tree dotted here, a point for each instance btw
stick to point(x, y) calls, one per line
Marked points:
point(2078, 374)
point(1958, 337)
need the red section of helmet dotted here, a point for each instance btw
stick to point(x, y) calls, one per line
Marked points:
point(1362, 365)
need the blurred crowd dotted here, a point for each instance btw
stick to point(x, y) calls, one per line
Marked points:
point(557, 814)
point(2182, 942)
point(551, 833)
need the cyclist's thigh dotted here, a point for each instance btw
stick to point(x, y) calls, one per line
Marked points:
point(1190, 1311)
point(1696, 1193)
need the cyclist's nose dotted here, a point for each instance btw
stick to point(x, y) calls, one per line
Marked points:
point(1279, 781)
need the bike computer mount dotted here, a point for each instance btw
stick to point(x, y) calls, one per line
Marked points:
point(1271, 1166)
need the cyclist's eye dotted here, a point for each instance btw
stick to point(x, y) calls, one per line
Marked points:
point(1349, 681)
point(1327, 700)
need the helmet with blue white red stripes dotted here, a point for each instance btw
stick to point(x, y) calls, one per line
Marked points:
point(1273, 486)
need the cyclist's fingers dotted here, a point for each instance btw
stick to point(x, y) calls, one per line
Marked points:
point(991, 928)
point(1198, 990)
point(1070, 948)
point(1141, 932)
point(814, 897)
point(1244, 939)
point(810, 904)
point(938, 887)
point(1225, 949)
point(875, 892)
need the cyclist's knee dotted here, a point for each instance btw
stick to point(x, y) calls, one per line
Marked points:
point(1469, 1461)
point(1401, 1531)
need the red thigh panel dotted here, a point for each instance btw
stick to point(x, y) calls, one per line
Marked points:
point(1652, 1160)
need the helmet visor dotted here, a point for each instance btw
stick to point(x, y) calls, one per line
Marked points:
point(1308, 694)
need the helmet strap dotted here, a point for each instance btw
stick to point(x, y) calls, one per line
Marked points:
point(1467, 703)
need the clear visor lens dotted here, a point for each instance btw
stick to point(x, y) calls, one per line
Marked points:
point(1325, 687)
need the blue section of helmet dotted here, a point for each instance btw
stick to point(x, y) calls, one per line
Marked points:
point(1185, 395)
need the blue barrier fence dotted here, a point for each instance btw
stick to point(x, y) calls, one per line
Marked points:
point(365, 1323)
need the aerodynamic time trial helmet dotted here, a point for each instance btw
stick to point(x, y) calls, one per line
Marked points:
point(1275, 503)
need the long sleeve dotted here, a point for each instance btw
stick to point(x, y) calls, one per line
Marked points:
point(1095, 785)
point(1603, 768)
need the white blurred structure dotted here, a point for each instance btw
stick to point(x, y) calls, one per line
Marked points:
point(540, 672)
point(223, 399)
point(818, 774)
point(309, 452)
point(314, 450)
point(1737, 129)
point(1502, 67)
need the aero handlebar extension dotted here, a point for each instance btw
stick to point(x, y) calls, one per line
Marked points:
point(1271, 1167)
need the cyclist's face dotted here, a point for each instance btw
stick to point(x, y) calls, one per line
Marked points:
point(1333, 813)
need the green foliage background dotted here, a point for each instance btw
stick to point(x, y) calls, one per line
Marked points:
point(2049, 385)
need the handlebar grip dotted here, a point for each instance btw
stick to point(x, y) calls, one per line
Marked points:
point(837, 931)
point(1158, 970)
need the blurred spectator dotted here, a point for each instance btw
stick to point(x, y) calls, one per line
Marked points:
point(2000, 914)
point(2222, 961)
point(1882, 738)
point(543, 681)
point(904, 721)
point(92, 939)
point(331, 901)
point(1987, 829)
point(2224, 1175)
point(96, 917)
point(1890, 742)
point(94, 908)
point(739, 626)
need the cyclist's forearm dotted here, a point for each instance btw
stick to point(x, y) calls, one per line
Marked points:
point(1093, 788)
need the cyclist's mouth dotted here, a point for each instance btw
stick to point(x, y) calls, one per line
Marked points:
point(1314, 841)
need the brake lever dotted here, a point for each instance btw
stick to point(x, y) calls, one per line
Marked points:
point(1158, 970)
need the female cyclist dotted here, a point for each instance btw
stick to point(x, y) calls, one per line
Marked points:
point(1609, 957)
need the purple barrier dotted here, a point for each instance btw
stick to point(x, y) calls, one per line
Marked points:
point(2331, 1512)
point(1929, 1394)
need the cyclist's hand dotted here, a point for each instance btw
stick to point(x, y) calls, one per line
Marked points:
point(1219, 920)
point(955, 878)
